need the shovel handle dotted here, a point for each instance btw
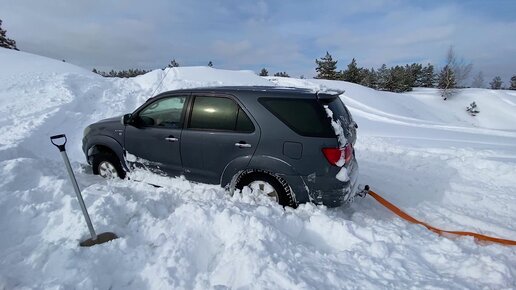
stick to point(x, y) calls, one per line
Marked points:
point(61, 146)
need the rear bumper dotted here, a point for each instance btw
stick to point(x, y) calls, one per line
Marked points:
point(330, 191)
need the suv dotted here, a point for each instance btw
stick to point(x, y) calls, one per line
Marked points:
point(284, 142)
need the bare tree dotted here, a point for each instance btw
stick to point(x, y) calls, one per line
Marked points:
point(478, 81)
point(461, 69)
point(453, 75)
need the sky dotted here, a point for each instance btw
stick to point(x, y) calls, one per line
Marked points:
point(279, 35)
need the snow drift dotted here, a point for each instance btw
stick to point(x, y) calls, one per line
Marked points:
point(428, 156)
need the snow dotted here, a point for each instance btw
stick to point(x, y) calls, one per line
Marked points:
point(342, 175)
point(427, 156)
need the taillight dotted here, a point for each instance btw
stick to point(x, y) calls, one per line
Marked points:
point(334, 155)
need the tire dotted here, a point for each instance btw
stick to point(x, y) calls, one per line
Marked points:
point(107, 165)
point(284, 195)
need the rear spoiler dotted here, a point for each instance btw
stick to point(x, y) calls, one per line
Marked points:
point(328, 94)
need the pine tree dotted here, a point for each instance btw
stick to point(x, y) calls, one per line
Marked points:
point(382, 77)
point(121, 74)
point(398, 80)
point(210, 64)
point(513, 83)
point(264, 72)
point(369, 78)
point(478, 81)
point(414, 75)
point(447, 82)
point(173, 63)
point(326, 68)
point(428, 76)
point(496, 83)
point(4, 41)
point(281, 74)
point(352, 73)
point(472, 109)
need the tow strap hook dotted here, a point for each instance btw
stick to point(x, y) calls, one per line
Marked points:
point(363, 190)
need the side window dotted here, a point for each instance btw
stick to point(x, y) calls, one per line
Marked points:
point(165, 112)
point(218, 113)
point(304, 116)
point(244, 124)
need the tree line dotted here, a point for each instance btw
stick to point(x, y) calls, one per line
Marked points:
point(121, 73)
point(402, 78)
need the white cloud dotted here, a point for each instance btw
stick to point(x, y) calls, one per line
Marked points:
point(279, 35)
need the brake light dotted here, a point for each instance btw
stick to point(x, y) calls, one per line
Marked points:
point(334, 155)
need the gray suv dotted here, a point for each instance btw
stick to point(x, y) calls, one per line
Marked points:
point(279, 141)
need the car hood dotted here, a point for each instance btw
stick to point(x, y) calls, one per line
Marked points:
point(110, 120)
point(109, 123)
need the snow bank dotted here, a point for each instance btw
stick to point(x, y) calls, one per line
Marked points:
point(426, 155)
point(193, 77)
point(16, 63)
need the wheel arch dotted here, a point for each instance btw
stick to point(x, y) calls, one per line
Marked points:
point(275, 167)
point(105, 144)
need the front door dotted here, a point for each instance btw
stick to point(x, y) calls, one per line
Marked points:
point(152, 141)
point(219, 131)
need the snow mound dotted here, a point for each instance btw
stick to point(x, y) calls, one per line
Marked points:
point(21, 63)
point(428, 156)
point(200, 76)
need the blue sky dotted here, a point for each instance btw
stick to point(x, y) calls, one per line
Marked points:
point(279, 35)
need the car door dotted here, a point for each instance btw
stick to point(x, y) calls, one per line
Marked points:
point(152, 139)
point(219, 130)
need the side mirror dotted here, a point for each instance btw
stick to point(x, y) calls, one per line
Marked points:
point(126, 118)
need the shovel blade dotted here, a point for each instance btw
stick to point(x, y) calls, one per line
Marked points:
point(101, 238)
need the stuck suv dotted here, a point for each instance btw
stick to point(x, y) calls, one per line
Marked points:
point(295, 145)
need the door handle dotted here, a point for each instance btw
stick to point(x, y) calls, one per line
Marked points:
point(242, 145)
point(171, 139)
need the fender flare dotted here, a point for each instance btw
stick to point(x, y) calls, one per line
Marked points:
point(266, 163)
point(108, 142)
point(234, 168)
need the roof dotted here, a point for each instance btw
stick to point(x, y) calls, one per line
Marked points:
point(269, 89)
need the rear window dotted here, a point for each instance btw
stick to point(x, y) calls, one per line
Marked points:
point(340, 112)
point(304, 116)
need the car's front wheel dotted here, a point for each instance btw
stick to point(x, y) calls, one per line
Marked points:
point(274, 187)
point(107, 165)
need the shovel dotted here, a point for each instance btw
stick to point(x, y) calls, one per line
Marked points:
point(95, 239)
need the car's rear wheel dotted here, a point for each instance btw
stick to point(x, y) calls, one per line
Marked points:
point(107, 165)
point(274, 187)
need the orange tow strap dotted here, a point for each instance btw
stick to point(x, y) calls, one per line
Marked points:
point(409, 218)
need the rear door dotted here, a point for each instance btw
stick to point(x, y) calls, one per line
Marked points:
point(219, 130)
point(153, 139)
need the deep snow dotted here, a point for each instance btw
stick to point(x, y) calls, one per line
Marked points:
point(426, 155)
